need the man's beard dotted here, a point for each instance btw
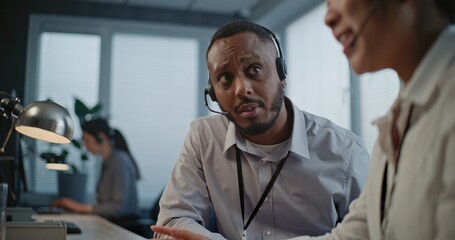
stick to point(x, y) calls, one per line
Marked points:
point(262, 127)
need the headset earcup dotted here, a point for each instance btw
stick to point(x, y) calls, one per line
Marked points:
point(281, 68)
point(209, 90)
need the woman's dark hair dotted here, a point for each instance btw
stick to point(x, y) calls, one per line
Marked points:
point(447, 7)
point(100, 125)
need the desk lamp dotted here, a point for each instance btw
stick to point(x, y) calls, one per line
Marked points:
point(43, 120)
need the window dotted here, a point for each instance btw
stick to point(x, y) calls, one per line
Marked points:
point(146, 76)
point(319, 78)
point(318, 72)
point(377, 92)
point(154, 98)
point(68, 67)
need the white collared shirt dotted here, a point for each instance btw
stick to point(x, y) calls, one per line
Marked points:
point(326, 168)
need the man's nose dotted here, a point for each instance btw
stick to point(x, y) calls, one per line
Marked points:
point(243, 86)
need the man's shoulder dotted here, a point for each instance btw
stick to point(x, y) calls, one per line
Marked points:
point(210, 120)
point(311, 120)
point(321, 125)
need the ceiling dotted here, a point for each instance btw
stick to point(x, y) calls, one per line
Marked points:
point(214, 6)
point(262, 11)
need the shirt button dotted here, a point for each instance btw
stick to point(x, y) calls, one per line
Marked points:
point(266, 199)
point(268, 233)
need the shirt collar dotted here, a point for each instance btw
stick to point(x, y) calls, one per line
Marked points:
point(421, 86)
point(299, 140)
point(231, 137)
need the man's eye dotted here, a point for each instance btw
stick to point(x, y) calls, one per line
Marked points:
point(254, 70)
point(226, 79)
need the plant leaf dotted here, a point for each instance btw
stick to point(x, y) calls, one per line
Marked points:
point(47, 155)
point(80, 109)
point(64, 153)
point(74, 168)
point(84, 157)
point(95, 110)
point(77, 143)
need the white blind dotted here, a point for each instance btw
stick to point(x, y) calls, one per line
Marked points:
point(154, 99)
point(318, 79)
point(377, 92)
point(68, 67)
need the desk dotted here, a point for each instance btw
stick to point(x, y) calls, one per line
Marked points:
point(93, 227)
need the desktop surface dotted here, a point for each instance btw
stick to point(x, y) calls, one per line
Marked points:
point(92, 227)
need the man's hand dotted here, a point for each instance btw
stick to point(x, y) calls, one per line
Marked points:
point(178, 234)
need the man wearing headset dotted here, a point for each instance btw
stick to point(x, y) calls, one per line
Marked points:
point(268, 169)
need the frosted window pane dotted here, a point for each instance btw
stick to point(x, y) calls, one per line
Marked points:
point(318, 72)
point(378, 91)
point(154, 99)
point(68, 67)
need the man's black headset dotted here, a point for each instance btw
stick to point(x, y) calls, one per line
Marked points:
point(280, 66)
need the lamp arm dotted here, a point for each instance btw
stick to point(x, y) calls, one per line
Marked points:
point(10, 107)
point(2, 149)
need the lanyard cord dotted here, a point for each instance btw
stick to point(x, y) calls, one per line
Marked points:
point(264, 194)
point(384, 179)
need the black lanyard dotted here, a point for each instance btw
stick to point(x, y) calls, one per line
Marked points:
point(264, 194)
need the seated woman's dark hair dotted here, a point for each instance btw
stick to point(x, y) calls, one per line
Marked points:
point(100, 125)
point(447, 7)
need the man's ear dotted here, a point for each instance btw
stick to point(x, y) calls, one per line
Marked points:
point(283, 83)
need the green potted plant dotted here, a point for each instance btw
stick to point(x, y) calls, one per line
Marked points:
point(83, 113)
point(72, 183)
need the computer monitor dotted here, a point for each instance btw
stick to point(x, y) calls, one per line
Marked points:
point(12, 171)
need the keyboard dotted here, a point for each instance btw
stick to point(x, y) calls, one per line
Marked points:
point(71, 228)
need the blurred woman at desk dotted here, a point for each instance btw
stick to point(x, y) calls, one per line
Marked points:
point(116, 190)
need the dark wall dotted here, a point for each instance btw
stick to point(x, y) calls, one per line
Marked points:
point(15, 14)
point(13, 37)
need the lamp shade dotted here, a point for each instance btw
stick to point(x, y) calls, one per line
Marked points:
point(46, 120)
